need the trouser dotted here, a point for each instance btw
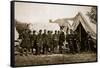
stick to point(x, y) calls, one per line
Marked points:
point(45, 49)
point(60, 49)
point(55, 44)
point(71, 48)
point(39, 50)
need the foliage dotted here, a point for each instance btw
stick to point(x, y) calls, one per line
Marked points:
point(21, 26)
point(93, 15)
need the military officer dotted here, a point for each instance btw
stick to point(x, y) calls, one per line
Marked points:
point(61, 41)
point(55, 41)
point(44, 39)
point(33, 41)
point(39, 45)
point(49, 41)
point(70, 42)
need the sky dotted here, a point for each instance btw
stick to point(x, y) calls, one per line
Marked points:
point(41, 13)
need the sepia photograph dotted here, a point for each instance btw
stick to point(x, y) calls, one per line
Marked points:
point(51, 33)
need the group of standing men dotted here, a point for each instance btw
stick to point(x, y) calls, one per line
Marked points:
point(41, 43)
point(46, 42)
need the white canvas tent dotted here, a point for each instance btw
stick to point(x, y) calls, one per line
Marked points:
point(79, 19)
point(64, 22)
point(75, 21)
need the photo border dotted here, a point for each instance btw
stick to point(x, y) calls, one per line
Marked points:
point(12, 37)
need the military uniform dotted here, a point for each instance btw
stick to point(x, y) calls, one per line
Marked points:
point(78, 43)
point(33, 40)
point(25, 44)
point(61, 40)
point(67, 42)
point(45, 47)
point(24, 40)
point(90, 44)
point(55, 42)
point(50, 41)
point(39, 44)
point(28, 43)
point(75, 43)
point(70, 42)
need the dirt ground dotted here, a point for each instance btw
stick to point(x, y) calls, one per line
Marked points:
point(54, 59)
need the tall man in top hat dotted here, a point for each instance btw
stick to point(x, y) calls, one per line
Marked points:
point(44, 39)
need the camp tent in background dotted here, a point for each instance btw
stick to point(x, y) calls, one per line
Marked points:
point(73, 23)
point(81, 21)
point(81, 26)
point(63, 24)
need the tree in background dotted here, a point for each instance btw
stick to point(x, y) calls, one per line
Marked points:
point(92, 15)
point(21, 26)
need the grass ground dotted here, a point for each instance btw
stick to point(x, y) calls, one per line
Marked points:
point(53, 59)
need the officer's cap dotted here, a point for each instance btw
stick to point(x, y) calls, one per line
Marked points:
point(55, 30)
point(34, 31)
